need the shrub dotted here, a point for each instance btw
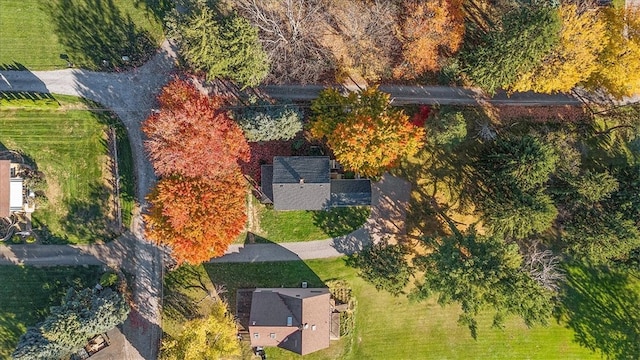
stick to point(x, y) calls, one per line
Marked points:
point(268, 122)
point(448, 128)
point(108, 279)
point(385, 266)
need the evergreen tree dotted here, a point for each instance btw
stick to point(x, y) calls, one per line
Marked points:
point(526, 36)
point(221, 46)
point(262, 121)
point(480, 272)
point(81, 316)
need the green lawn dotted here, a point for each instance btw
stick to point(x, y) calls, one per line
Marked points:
point(36, 33)
point(289, 226)
point(27, 293)
point(68, 145)
point(389, 327)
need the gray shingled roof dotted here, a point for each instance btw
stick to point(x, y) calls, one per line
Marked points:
point(266, 181)
point(301, 196)
point(281, 183)
point(301, 182)
point(350, 192)
point(290, 169)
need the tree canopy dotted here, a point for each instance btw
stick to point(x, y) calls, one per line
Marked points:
point(197, 217)
point(513, 173)
point(211, 337)
point(582, 39)
point(221, 46)
point(526, 37)
point(191, 135)
point(618, 70)
point(430, 31)
point(480, 272)
point(263, 121)
point(383, 265)
point(82, 315)
point(364, 132)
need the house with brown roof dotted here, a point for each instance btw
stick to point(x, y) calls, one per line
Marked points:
point(11, 190)
point(296, 319)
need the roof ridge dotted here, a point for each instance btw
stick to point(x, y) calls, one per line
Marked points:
point(280, 296)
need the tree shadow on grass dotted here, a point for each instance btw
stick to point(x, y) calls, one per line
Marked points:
point(340, 221)
point(177, 305)
point(15, 66)
point(602, 307)
point(158, 8)
point(89, 219)
point(97, 36)
point(287, 274)
point(28, 294)
point(10, 332)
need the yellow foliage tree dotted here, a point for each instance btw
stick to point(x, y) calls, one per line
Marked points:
point(364, 132)
point(618, 66)
point(431, 30)
point(213, 337)
point(582, 39)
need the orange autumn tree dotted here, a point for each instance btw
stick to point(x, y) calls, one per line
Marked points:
point(364, 132)
point(196, 217)
point(430, 31)
point(192, 135)
point(198, 206)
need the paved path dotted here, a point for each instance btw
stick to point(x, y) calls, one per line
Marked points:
point(131, 96)
point(390, 199)
point(432, 95)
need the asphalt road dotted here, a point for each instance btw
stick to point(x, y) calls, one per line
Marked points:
point(431, 95)
point(131, 95)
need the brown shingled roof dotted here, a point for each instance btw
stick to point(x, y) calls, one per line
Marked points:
point(308, 309)
point(5, 183)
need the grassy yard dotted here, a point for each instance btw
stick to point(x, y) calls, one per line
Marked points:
point(392, 328)
point(69, 146)
point(27, 293)
point(36, 34)
point(289, 226)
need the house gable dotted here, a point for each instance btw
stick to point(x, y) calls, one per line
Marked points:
point(296, 319)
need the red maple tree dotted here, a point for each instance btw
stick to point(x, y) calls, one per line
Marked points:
point(197, 217)
point(192, 135)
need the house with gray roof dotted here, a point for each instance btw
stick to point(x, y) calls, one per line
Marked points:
point(296, 319)
point(306, 183)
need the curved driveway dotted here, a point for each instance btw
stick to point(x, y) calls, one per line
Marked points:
point(131, 95)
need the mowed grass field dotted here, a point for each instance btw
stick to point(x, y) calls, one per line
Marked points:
point(390, 327)
point(27, 293)
point(69, 146)
point(291, 226)
point(31, 38)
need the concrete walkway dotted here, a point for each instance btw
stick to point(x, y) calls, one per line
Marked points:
point(390, 199)
point(131, 96)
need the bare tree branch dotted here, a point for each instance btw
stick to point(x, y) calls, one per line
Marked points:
point(544, 266)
